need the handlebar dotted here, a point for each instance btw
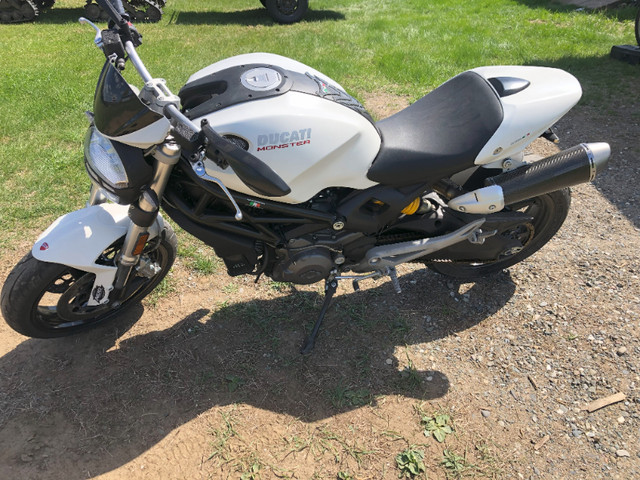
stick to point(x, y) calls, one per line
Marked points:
point(256, 174)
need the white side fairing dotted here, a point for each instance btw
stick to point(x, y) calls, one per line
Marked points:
point(146, 137)
point(310, 142)
point(527, 114)
point(313, 143)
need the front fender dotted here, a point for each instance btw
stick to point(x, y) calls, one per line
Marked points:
point(78, 238)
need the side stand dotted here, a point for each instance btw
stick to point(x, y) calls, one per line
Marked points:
point(330, 287)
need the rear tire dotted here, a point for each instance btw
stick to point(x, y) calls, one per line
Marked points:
point(549, 212)
point(48, 300)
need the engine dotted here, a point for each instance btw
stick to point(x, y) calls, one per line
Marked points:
point(302, 266)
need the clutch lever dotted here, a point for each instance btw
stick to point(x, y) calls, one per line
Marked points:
point(98, 38)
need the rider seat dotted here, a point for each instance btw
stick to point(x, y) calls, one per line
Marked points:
point(440, 134)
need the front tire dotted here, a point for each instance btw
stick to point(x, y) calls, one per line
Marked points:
point(549, 212)
point(48, 300)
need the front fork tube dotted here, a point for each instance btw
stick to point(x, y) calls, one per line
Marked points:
point(143, 214)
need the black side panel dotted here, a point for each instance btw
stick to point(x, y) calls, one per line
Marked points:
point(440, 134)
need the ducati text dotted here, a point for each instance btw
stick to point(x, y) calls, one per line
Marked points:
point(289, 138)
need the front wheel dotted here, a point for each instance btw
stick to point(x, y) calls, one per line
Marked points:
point(548, 211)
point(287, 11)
point(47, 300)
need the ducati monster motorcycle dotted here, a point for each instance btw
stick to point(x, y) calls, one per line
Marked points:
point(283, 174)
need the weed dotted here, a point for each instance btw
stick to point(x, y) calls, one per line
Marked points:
point(252, 474)
point(198, 258)
point(400, 328)
point(345, 476)
point(356, 311)
point(363, 363)
point(234, 382)
point(204, 264)
point(187, 249)
point(205, 378)
point(438, 426)
point(230, 288)
point(448, 311)
point(344, 397)
point(487, 456)
point(454, 464)
point(222, 437)
point(355, 451)
point(410, 462)
point(278, 286)
point(410, 376)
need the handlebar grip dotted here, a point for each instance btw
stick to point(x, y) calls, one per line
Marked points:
point(121, 21)
point(113, 13)
point(256, 174)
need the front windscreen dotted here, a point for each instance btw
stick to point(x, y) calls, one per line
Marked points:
point(117, 109)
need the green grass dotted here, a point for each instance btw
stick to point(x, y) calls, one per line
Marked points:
point(48, 68)
point(198, 257)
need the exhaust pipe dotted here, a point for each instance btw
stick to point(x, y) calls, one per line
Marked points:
point(573, 166)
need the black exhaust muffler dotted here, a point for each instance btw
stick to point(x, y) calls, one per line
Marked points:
point(573, 166)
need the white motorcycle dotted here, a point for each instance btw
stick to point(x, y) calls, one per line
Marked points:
point(284, 174)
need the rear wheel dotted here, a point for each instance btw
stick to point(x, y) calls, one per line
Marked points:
point(287, 11)
point(548, 211)
point(47, 300)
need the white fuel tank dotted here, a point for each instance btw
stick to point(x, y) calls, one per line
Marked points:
point(528, 113)
point(313, 140)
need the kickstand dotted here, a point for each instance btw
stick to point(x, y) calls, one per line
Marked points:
point(330, 288)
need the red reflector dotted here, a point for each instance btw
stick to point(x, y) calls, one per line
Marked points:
point(44, 246)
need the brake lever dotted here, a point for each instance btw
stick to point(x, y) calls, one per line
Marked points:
point(98, 38)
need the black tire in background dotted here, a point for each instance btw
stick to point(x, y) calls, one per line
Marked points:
point(287, 11)
point(48, 300)
point(549, 212)
point(638, 27)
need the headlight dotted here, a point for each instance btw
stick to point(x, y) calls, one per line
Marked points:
point(119, 169)
point(102, 159)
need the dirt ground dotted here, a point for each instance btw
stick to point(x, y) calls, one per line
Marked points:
point(206, 380)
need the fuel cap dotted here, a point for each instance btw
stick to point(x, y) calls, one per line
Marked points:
point(261, 79)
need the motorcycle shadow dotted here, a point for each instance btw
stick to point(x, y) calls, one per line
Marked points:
point(94, 402)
